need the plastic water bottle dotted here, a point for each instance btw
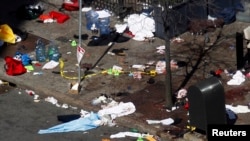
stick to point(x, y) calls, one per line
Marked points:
point(104, 26)
point(40, 51)
point(53, 52)
point(91, 19)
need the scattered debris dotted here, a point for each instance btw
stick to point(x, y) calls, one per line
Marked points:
point(239, 108)
point(133, 134)
point(103, 99)
point(3, 83)
point(167, 121)
point(237, 79)
point(37, 73)
point(177, 40)
point(51, 100)
point(50, 65)
point(74, 88)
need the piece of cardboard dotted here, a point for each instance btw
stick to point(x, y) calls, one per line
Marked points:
point(74, 88)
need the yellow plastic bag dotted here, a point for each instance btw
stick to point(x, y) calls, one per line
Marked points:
point(6, 34)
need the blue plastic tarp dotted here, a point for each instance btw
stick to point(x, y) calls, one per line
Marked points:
point(80, 124)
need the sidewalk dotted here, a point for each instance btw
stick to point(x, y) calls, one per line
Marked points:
point(122, 87)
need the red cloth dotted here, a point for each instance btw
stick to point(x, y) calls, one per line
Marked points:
point(186, 106)
point(73, 5)
point(60, 17)
point(13, 66)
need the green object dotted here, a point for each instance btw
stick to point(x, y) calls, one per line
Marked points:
point(116, 73)
point(73, 43)
point(110, 71)
point(134, 130)
point(53, 52)
point(29, 67)
point(139, 139)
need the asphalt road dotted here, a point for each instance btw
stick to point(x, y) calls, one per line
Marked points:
point(21, 118)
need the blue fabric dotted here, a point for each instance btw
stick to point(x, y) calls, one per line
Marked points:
point(239, 6)
point(26, 60)
point(80, 124)
point(229, 13)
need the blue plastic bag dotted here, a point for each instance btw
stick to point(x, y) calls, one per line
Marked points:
point(80, 124)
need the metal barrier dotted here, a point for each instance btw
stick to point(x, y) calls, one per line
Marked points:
point(184, 10)
point(119, 7)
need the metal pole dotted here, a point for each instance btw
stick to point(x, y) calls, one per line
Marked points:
point(80, 39)
point(169, 96)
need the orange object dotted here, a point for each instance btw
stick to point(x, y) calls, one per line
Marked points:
point(105, 139)
point(150, 138)
point(218, 72)
point(44, 17)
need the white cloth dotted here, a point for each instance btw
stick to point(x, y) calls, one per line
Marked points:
point(118, 110)
point(120, 28)
point(141, 26)
point(103, 13)
point(238, 109)
point(238, 78)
